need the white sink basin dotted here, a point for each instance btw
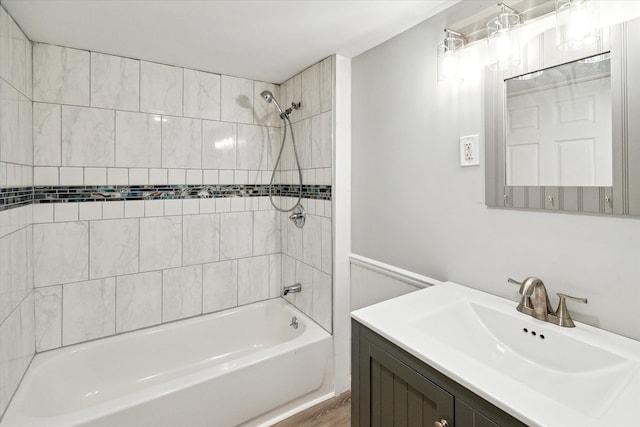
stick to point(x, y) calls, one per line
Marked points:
point(541, 373)
point(533, 353)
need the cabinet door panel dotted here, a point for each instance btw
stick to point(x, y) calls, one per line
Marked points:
point(467, 417)
point(405, 397)
point(414, 408)
point(400, 391)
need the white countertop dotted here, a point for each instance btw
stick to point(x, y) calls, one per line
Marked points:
point(405, 320)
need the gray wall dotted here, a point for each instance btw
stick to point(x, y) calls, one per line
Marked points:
point(415, 207)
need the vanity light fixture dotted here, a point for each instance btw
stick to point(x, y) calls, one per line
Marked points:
point(575, 25)
point(504, 48)
point(448, 58)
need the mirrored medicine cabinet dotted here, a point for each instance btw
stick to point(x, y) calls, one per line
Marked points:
point(562, 129)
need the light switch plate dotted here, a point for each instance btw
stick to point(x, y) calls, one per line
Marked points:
point(469, 151)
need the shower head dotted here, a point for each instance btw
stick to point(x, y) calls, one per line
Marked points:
point(268, 96)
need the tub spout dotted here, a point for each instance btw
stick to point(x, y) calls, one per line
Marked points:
point(291, 289)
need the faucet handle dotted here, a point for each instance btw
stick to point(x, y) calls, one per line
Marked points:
point(562, 315)
point(569, 297)
point(525, 305)
point(515, 282)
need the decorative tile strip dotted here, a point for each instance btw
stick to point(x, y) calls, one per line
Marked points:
point(13, 197)
point(66, 194)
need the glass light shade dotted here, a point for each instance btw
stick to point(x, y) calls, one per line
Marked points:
point(449, 59)
point(503, 43)
point(576, 25)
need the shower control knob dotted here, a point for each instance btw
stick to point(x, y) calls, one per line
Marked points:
point(441, 423)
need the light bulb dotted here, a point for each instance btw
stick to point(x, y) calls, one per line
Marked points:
point(579, 27)
point(449, 66)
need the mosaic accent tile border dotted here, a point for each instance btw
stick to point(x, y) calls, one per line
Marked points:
point(14, 197)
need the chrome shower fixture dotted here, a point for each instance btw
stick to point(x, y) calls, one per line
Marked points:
point(268, 96)
point(298, 216)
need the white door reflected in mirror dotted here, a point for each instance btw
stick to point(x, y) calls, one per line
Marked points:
point(558, 125)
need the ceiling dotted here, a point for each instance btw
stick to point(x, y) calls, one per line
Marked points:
point(268, 40)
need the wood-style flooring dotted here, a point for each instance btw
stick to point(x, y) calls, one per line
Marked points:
point(335, 412)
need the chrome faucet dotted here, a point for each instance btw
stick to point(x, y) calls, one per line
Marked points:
point(297, 287)
point(535, 303)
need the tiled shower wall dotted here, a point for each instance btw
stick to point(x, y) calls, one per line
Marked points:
point(16, 279)
point(307, 252)
point(105, 267)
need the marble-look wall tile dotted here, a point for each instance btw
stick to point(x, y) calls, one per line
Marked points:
point(201, 95)
point(302, 131)
point(17, 346)
point(5, 51)
point(236, 235)
point(95, 176)
point(88, 310)
point(275, 141)
point(220, 285)
point(15, 126)
point(28, 324)
point(138, 301)
point(322, 299)
point(13, 54)
point(275, 275)
point(48, 314)
point(87, 136)
point(29, 71)
point(26, 130)
point(201, 238)
point(160, 88)
point(326, 84)
point(293, 93)
point(160, 242)
point(18, 60)
point(236, 100)
point(304, 298)
point(181, 143)
point(253, 279)
point(46, 134)
point(252, 147)
point(312, 241)
point(294, 241)
point(60, 75)
point(218, 145)
point(9, 122)
point(61, 252)
point(138, 140)
point(182, 292)
point(14, 267)
point(321, 146)
point(266, 232)
point(113, 247)
point(115, 82)
point(265, 113)
point(327, 246)
point(310, 91)
point(10, 367)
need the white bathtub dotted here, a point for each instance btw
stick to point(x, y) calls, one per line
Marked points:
point(239, 367)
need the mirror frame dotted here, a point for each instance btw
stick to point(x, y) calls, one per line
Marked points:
point(623, 197)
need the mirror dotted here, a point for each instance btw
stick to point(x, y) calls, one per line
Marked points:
point(561, 128)
point(558, 125)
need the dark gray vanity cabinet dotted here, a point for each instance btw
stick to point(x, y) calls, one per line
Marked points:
point(392, 388)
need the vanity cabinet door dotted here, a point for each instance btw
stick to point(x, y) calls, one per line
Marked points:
point(391, 388)
point(388, 393)
point(401, 397)
point(467, 417)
